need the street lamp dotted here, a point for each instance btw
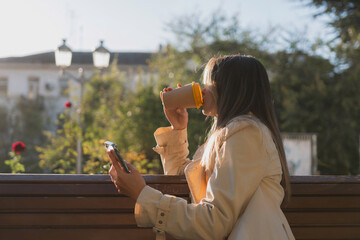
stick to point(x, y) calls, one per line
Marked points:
point(63, 55)
point(101, 56)
point(101, 59)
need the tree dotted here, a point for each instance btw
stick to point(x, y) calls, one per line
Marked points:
point(345, 101)
point(24, 123)
point(307, 100)
point(5, 144)
point(59, 155)
point(106, 114)
point(345, 16)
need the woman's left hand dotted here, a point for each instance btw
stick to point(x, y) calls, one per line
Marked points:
point(129, 184)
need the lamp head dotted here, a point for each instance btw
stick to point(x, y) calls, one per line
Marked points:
point(101, 56)
point(63, 55)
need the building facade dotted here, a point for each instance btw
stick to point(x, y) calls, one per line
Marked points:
point(36, 77)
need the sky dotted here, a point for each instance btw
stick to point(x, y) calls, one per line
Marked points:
point(35, 26)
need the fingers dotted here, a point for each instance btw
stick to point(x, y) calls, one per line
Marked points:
point(161, 96)
point(170, 88)
point(167, 89)
point(115, 162)
point(112, 173)
point(114, 178)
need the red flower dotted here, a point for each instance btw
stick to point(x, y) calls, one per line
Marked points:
point(68, 104)
point(18, 147)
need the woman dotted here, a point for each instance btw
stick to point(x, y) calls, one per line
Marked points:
point(238, 179)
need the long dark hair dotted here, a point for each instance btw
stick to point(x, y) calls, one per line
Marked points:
point(242, 86)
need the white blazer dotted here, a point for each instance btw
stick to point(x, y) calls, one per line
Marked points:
point(237, 195)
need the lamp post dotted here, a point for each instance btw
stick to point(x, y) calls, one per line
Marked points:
point(101, 60)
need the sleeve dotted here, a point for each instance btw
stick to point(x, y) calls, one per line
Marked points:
point(172, 145)
point(236, 176)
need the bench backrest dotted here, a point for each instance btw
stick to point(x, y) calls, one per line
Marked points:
point(89, 207)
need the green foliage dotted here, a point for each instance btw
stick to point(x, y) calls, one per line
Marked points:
point(112, 111)
point(59, 156)
point(317, 96)
point(125, 116)
point(5, 143)
point(145, 115)
point(345, 16)
point(25, 122)
point(307, 100)
point(15, 163)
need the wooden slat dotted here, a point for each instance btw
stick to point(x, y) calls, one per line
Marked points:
point(68, 204)
point(118, 202)
point(5, 177)
point(318, 189)
point(47, 189)
point(124, 219)
point(59, 178)
point(301, 233)
point(79, 234)
point(65, 203)
point(90, 189)
point(345, 202)
point(83, 178)
point(297, 219)
point(326, 233)
point(13, 189)
point(67, 220)
point(325, 179)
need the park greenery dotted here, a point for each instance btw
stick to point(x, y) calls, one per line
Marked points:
point(312, 94)
point(25, 122)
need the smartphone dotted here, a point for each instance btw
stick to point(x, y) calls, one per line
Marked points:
point(112, 146)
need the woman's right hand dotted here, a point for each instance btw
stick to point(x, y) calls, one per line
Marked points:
point(178, 117)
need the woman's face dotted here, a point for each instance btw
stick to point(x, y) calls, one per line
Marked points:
point(209, 100)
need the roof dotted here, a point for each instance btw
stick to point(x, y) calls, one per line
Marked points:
point(123, 58)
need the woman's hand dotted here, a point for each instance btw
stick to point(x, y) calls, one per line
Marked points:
point(129, 184)
point(178, 117)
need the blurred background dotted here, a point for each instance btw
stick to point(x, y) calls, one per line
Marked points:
point(76, 73)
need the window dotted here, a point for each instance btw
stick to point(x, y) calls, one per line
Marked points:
point(64, 86)
point(3, 86)
point(33, 88)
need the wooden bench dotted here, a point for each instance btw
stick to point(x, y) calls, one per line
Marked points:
point(89, 207)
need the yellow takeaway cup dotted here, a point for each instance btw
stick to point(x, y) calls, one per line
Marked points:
point(187, 96)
